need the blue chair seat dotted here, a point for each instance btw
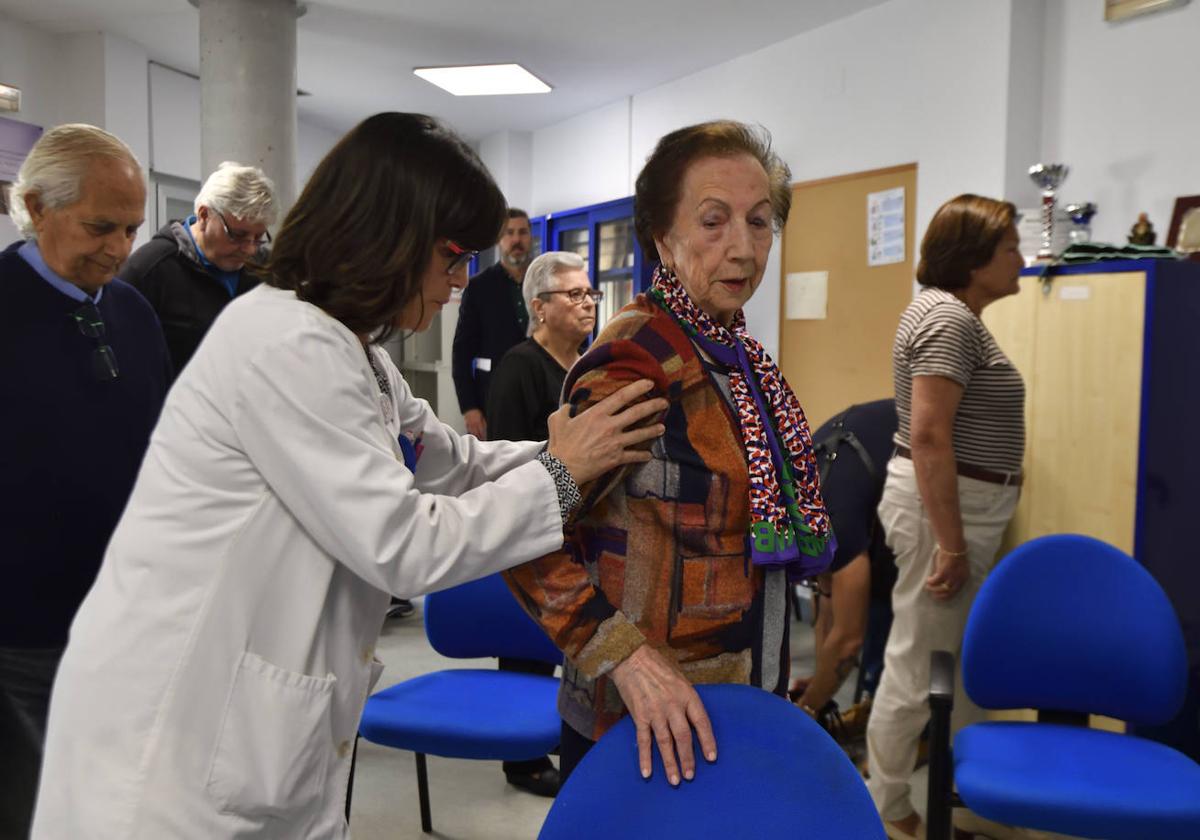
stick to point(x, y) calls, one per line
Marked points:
point(1048, 776)
point(777, 774)
point(467, 713)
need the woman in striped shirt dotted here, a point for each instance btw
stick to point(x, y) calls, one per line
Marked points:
point(953, 483)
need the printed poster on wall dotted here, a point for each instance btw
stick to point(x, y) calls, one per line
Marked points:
point(16, 139)
point(885, 227)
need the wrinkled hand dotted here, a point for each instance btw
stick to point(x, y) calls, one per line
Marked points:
point(950, 574)
point(475, 423)
point(600, 439)
point(664, 706)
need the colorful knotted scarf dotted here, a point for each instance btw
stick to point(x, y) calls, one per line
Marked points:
point(788, 523)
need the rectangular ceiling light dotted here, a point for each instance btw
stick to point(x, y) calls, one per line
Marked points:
point(483, 79)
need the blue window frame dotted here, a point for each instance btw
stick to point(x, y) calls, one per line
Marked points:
point(603, 235)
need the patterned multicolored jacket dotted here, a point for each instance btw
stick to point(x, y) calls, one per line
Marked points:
point(659, 551)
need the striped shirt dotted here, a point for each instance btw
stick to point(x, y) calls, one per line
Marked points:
point(940, 336)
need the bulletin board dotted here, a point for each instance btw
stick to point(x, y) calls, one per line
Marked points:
point(845, 357)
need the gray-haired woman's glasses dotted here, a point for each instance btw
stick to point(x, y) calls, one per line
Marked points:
point(576, 296)
point(104, 360)
point(243, 237)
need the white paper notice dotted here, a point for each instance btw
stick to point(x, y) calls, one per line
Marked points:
point(1075, 293)
point(885, 227)
point(807, 293)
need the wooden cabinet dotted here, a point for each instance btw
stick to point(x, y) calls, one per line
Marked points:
point(1110, 353)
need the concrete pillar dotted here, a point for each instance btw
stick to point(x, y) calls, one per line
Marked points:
point(248, 87)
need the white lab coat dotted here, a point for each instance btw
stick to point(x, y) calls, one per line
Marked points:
point(216, 672)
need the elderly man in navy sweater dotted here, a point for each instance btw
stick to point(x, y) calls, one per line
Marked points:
point(85, 369)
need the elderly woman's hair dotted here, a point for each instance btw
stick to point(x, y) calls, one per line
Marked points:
point(56, 165)
point(242, 191)
point(961, 237)
point(661, 180)
point(358, 240)
point(539, 277)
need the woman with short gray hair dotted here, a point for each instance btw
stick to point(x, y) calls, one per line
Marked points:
point(527, 383)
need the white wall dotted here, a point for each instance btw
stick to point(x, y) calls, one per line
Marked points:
point(508, 155)
point(312, 143)
point(1121, 109)
point(108, 81)
point(583, 160)
point(911, 80)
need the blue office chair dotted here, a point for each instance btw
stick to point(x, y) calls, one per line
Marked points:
point(777, 774)
point(478, 713)
point(1067, 625)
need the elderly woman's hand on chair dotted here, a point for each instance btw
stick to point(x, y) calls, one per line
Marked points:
point(664, 707)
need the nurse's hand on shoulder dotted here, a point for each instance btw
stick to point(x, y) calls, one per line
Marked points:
point(607, 435)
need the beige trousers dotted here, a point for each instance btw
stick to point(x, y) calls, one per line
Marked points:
point(921, 625)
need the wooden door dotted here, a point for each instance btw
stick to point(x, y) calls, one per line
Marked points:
point(1081, 356)
point(845, 358)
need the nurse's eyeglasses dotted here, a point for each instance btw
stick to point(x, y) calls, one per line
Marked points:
point(462, 256)
point(104, 360)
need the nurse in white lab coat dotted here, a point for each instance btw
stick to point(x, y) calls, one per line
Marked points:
point(215, 674)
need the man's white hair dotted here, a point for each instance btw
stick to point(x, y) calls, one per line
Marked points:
point(539, 277)
point(241, 191)
point(56, 165)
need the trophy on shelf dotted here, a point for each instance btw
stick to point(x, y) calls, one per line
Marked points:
point(1081, 215)
point(1048, 177)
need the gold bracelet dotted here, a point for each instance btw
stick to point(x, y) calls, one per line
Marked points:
point(952, 553)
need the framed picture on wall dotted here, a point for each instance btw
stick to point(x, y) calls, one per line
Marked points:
point(1184, 233)
point(1122, 9)
point(4, 185)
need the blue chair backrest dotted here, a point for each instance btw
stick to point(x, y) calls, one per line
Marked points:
point(483, 618)
point(1070, 623)
point(777, 774)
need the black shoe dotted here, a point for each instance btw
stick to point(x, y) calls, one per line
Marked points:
point(539, 782)
point(402, 608)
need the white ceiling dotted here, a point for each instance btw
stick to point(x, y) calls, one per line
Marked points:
point(356, 56)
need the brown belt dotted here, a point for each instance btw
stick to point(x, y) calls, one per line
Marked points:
point(972, 471)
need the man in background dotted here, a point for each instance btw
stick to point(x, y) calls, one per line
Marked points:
point(491, 320)
point(85, 371)
point(193, 268)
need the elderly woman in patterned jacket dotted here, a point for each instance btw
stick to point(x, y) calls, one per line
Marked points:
point(677, 571)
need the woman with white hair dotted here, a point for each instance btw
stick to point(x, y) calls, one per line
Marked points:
point(524, 392)
point(527, 384)
point(194, 267)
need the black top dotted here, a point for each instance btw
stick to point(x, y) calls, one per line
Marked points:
point(526, 389)
point(852, 485)
point(491, 321)
point(187, 298)
point(72, 443)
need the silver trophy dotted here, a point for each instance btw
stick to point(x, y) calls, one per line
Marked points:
point(1081, 215)
point(1048, 177)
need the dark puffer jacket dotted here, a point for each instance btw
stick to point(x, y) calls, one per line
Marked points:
point(168, 272)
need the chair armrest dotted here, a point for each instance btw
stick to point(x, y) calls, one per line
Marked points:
point(941, 678)
point(941, 767)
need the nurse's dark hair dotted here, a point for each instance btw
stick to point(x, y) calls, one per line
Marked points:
point(362, 232)
point(962, 236)
point(660, 183)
